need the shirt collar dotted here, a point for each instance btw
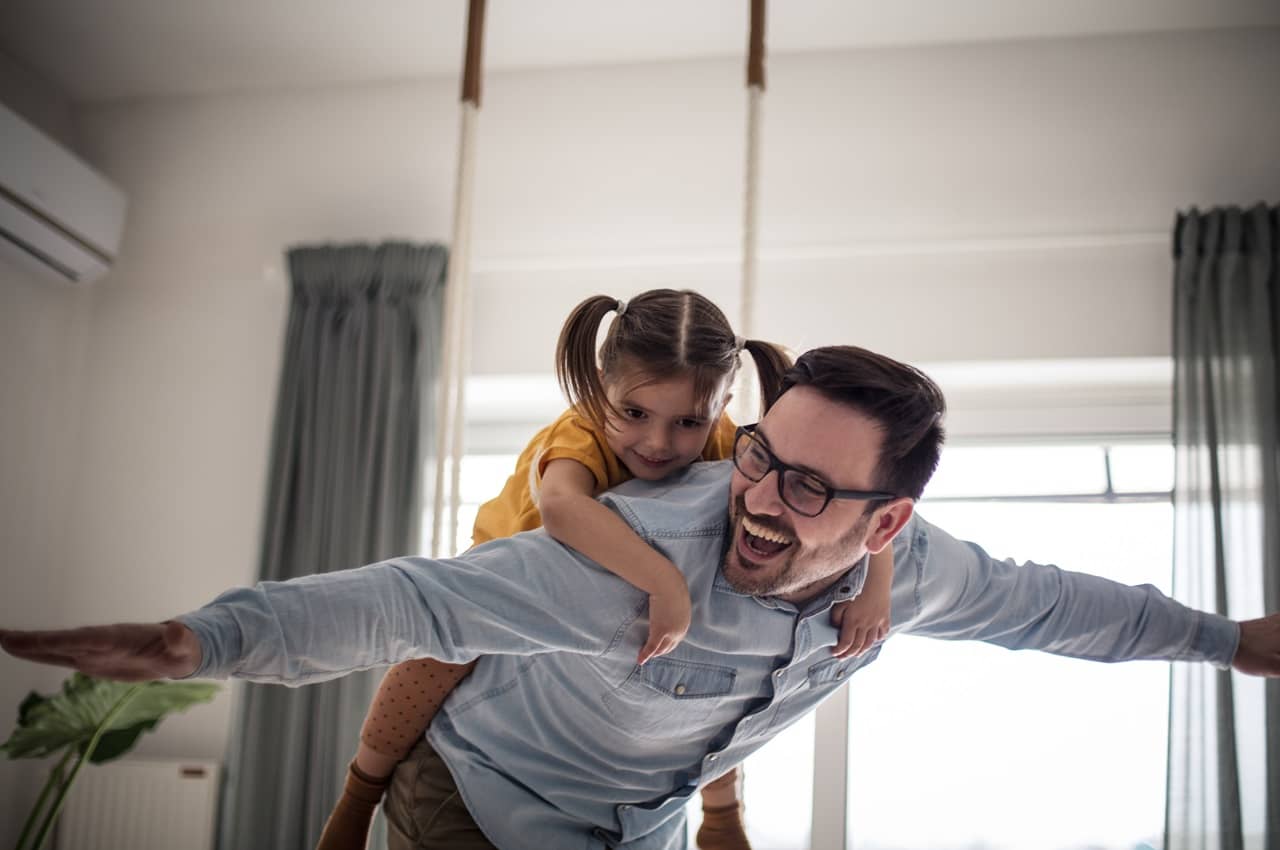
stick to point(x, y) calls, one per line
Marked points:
point(845, 588)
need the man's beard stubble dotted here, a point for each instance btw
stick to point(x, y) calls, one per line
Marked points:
point(787, 577)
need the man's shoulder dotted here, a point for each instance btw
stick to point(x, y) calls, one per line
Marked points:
point(693, 502)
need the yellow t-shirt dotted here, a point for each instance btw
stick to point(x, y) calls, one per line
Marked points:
point(572, 436)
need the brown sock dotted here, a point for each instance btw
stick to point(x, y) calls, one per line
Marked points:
point(348, 824)
point(722, 829)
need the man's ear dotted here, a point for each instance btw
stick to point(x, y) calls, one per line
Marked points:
point(887, 522)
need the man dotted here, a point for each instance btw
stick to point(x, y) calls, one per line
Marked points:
point(558, 739)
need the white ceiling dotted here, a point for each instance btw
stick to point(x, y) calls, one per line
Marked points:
point(104, 49)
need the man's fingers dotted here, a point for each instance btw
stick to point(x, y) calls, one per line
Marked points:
point(35, 645)
point(125, 651)
point(85, 639)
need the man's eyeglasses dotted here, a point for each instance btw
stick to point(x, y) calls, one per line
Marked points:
point(799, 490)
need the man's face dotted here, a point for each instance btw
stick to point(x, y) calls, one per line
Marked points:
point(775, 551)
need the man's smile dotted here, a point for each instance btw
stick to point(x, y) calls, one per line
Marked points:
point(756, 542)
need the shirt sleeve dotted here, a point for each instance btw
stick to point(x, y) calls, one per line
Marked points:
point(520, 595)
point(951, 589)
point(573, 439)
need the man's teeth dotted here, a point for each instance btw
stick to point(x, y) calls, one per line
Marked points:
point(764, 533)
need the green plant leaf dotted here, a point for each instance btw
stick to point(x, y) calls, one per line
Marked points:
point(70, 717)
point(114, 744)
point(33, 699)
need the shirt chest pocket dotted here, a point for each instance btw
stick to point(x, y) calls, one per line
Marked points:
point(667, 696)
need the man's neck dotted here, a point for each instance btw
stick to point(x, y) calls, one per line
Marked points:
point(808, 593)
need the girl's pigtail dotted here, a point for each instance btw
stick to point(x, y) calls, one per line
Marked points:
point(576, 367)
point(772, 364)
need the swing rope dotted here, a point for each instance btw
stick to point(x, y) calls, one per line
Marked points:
point(749, 390)
point(457, 308)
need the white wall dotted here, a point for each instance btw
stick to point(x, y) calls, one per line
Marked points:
point(43, 327)
point(953, 203)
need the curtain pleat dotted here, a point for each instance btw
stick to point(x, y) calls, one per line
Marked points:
point(343, 489)
point(1224, 731)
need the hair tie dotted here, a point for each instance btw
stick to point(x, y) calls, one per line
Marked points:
point(738, 344)
point(622, 307)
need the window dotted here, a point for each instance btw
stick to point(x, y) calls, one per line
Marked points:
point(966, 745)
point(958, 746)
point(481, 478)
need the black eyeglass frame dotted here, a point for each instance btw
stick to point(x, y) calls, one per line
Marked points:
point(749, 431)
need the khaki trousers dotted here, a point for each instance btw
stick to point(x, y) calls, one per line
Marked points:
point(424, 810)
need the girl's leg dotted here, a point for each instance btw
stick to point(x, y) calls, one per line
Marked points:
point(722, 827)
point(410, 695)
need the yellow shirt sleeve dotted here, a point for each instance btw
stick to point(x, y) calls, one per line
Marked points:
point(571, 437)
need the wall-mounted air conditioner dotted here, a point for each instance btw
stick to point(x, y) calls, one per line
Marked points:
point(57, 215)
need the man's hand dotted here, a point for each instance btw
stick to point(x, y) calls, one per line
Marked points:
point(128, 652)
point(1259, 651)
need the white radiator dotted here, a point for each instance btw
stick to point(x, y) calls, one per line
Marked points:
point(134, 804)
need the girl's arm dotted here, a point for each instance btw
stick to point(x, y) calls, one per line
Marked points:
point(864, 619)
point(571, 515)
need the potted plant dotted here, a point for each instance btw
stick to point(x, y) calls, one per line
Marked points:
point(90, 720)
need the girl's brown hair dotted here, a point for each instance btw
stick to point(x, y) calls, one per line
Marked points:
point(659, 334)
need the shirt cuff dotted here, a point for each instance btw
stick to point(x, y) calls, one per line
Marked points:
point(1216, 640)
point(220, 641)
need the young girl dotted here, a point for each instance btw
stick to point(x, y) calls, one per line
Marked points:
point(648, 404)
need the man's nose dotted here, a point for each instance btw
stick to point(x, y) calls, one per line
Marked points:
point(761, 497)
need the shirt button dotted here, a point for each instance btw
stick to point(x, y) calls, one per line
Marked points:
point(846, 589)
point(778, 673)
point(680, 689)
point(711, 757)
point(625, 807)
point(839, 673)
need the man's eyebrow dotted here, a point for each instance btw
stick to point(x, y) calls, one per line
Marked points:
point(808, 470)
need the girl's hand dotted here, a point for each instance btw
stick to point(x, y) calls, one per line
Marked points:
point(669, 614)
point(862, 622)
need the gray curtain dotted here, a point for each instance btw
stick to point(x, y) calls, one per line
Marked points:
point(343, 490)
point(1224, 734)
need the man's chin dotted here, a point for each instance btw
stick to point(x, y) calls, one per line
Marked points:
point(746, 576)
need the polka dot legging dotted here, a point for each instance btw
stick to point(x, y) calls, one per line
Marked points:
point(410, 695)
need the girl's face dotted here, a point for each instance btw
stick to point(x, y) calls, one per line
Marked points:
point(660, 429)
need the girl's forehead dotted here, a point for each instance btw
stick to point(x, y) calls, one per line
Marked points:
point(675, 395)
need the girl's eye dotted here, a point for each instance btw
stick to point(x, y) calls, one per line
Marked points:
point(633, 413)
point(691, 423)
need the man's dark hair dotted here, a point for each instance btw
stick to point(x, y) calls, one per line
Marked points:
point(902, 400)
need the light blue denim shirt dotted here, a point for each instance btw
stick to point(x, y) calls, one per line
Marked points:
point(558, 739)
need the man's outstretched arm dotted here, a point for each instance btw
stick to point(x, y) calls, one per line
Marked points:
point(517, 596)
point(956, 591)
